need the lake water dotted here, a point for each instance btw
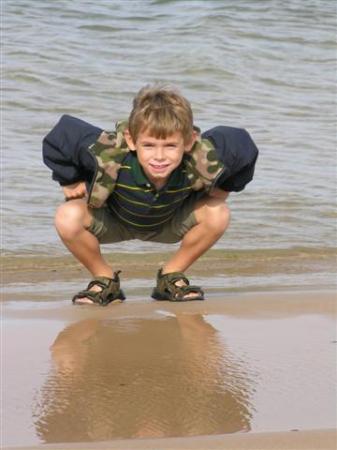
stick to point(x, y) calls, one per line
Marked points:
point(269, 67)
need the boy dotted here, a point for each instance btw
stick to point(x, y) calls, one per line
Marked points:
point(155, 179)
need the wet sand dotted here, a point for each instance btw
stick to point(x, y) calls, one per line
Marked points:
point(302, 440)
point(242, 370)
point(268, 262)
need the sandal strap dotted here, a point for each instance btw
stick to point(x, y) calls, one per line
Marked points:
point(102, 282)
point(181, 291)
point(173, 277)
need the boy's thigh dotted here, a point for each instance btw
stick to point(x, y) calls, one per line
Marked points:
point(107, 227)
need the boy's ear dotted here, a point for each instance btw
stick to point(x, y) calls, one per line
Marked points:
point(189, 145)
point(129, 140)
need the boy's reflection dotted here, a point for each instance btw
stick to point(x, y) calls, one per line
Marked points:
point(141, 378)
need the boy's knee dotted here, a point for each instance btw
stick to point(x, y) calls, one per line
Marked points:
point(216, 215)
point(220, 217)
point(71, 218)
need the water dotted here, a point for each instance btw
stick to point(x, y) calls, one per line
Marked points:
point(170, 375)
point(269, 67)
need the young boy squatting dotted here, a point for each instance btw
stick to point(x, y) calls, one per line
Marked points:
point(155, 179)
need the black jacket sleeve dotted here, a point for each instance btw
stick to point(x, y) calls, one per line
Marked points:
point(236, 149)
point(65, 150)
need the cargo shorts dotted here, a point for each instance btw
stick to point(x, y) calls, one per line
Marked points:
point(108, 228)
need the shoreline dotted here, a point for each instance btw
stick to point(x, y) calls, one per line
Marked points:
point(306, 261)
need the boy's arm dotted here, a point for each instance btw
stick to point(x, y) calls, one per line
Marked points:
point(238, 152)
point(65, 151)
point(219, 193)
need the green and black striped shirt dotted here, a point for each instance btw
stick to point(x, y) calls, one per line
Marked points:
point(137, 203)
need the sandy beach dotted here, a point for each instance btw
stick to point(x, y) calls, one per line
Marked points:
point(238, 371)
point(302, 440)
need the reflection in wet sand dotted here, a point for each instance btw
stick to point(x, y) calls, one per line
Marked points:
point(141, 378)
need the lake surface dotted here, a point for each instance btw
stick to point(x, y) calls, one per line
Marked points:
point(269, 67)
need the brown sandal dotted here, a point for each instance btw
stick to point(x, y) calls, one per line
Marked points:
point(167, 289)
point(110, 292)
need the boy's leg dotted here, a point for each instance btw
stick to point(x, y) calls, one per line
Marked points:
point(72, 220)
point(212, 216)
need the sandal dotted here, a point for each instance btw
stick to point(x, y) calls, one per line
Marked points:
point(110, 292)
point(167, 289)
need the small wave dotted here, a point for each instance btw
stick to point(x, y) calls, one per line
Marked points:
point(100, 28)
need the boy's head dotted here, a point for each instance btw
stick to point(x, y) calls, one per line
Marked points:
point(160, 131)
point(161, 112)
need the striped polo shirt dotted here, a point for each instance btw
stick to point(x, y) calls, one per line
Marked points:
point(137, 203)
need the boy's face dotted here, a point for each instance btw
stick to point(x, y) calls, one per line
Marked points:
point(159, 157)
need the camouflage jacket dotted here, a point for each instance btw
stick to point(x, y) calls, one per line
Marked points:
point(222, 157)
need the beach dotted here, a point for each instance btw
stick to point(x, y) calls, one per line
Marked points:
point(240, 370)
point(305, 440)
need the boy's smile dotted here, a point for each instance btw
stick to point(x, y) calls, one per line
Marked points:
point(158, 157)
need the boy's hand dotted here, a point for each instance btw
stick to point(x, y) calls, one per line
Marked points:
point(76, 190)
point(219, 193)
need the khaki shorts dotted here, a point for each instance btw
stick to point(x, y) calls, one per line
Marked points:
point(108, 228)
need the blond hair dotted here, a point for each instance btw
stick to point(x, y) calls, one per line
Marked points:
point(161, 111)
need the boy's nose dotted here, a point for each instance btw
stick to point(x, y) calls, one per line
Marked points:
point(159, 155)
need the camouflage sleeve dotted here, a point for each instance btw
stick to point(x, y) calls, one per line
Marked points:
point(64, 150)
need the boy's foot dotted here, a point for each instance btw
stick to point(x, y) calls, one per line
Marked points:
point(101, 290)
point(175, 287)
